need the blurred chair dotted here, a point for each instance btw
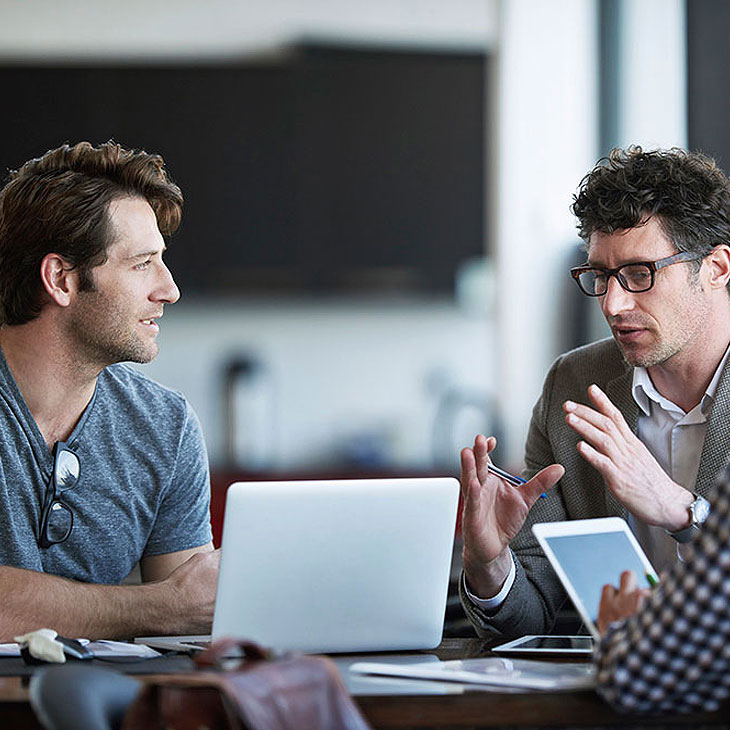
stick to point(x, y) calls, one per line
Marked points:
point(81, 697)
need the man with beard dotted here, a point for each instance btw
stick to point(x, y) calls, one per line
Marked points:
point(101, 468)
point(636, 425)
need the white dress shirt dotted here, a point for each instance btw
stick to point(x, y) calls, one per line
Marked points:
point(674, 438)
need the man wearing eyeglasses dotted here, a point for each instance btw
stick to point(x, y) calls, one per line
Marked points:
point(101, 468)
point(637, 425)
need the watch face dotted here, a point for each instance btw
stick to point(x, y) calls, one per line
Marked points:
point(700, 510)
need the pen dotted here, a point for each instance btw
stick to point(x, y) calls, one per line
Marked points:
point(652, 579)
point(513, 479)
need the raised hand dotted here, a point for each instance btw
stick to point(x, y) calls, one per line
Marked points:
point(628, 468)
point(493, 513)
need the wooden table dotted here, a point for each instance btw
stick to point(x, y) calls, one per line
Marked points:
point(468, 708)
point(476, 708)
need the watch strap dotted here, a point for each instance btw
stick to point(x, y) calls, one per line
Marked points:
point(699, 510)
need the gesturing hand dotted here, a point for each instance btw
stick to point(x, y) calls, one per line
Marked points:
point(622, 603)
point(493, 513)
point(627, 467)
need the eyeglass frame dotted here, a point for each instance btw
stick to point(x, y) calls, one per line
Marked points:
point(653, 266)
point(53, 497)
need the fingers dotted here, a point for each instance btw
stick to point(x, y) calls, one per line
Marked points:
point(605, 433)
point(470, 512)
point(474, 460)
point(597, 459)
point(545, 479)
point(606, 607)
point(599, 435)
point(605, 417)
point(603, 403)
point(482, 447)
point(619, 603)
point(628, 582)
point(468, 469)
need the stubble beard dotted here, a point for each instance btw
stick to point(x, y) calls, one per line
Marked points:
point(687, 324)
point(102, 334)
point(657, 356)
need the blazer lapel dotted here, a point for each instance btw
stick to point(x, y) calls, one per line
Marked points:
point(715, 450)
point(619, 392)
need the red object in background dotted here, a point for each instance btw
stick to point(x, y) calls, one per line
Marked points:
point(221, 480)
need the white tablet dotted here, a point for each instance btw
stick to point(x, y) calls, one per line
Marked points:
point(587, 554)
point(541, 644)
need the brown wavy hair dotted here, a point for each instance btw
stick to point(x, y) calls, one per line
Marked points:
point(686, 192)
point(59, 203)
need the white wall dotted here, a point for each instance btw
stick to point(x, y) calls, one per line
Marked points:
point(215, 28)
point(544, 141)
point(335, 370)
point(652, 73)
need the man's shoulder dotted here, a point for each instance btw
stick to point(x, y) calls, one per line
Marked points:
point(597, 362)
point(122, 381)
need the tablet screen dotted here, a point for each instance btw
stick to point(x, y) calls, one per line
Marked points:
point(594, 559)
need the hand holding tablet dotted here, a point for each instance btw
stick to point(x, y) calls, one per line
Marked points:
point(588, 554)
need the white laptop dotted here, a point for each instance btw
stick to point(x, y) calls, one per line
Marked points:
point(335, 565)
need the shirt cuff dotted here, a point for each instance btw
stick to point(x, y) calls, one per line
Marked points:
point(684, 551)
point(495, 601)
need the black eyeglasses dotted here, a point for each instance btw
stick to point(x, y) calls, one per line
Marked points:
point(635, 278)
point(57, 518)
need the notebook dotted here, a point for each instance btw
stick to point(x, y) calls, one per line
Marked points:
point(335, 565)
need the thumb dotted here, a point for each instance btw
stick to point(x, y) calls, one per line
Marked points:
point(545, 479)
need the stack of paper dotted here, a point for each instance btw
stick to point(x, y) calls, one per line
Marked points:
point(494, 671)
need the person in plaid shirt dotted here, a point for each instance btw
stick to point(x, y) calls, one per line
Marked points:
point(668, 649)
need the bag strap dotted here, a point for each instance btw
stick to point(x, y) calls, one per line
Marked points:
point(224, 648)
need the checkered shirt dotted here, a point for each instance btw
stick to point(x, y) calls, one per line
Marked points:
point(674, 655)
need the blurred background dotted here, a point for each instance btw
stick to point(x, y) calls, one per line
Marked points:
point(373, 257)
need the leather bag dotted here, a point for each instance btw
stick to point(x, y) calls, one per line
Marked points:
point(295, 692)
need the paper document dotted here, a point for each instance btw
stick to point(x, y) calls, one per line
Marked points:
point(102, 648)
point(493, 671)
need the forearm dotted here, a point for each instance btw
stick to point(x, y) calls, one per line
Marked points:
point(523, 611)
point(486, 579)
point(34, 600)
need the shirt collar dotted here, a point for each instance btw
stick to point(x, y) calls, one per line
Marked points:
point(643, 390)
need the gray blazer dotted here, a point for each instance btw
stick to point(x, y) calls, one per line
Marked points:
point(536, 595)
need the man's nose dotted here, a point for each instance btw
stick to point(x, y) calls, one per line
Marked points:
point(616, 299)
point(167, 290)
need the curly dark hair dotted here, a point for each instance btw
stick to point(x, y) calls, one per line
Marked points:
point(686, 192)
point(59, 203)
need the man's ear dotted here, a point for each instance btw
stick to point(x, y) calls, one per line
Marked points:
point(60, 280)
point(718, 261)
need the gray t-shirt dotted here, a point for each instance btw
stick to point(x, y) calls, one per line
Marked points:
point(144, 487)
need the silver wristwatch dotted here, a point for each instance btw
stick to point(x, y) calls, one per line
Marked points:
point(699, 511)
